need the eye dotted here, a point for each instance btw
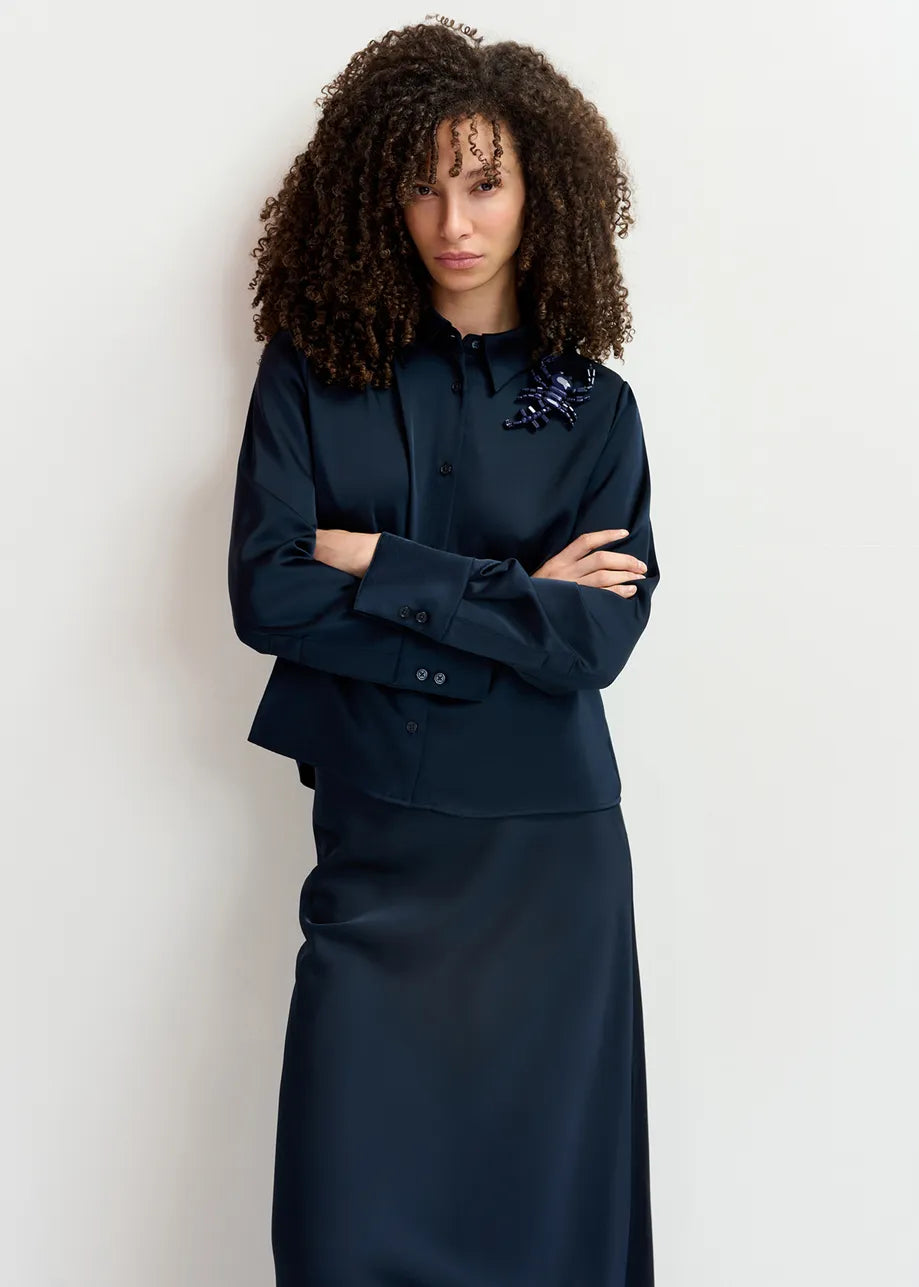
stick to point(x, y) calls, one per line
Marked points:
point(486, 183)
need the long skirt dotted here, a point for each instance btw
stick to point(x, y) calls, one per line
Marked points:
point(463, 1097)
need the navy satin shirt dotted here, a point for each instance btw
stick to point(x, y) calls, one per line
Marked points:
point(447, 676)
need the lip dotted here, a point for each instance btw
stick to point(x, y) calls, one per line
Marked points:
point(458, 261)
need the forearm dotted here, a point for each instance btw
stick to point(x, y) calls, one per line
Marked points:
point(558, 635)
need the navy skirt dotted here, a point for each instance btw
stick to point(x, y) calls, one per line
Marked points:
point(463, 1097)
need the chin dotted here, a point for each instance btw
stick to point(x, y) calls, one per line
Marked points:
point(459, 281)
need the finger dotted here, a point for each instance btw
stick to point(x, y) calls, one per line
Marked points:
point(612, 577)
point(610, 561)
point(607, 580)
point(590, 540)
point(610, 558)
point(622, 563)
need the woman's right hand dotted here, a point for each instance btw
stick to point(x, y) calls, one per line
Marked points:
point(580, 561)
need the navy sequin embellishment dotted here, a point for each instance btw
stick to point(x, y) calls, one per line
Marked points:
point(551, 389)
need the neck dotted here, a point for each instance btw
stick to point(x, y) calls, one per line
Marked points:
point(487, 309)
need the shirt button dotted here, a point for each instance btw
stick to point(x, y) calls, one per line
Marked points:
point(411, 727)
point(446, 467)
point(476, 343)
point(421, 673)
point(439, 677)
point(421, 615)
point(405, 611)
point(456, 386)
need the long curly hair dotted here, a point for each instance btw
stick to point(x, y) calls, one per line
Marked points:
point(336, 264)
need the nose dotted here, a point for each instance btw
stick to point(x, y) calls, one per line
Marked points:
point(455, 221)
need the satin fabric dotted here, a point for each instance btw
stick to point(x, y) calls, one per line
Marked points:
point(463, 1096)
point(447, 675)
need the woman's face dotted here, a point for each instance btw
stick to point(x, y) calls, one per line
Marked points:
point(465, 215)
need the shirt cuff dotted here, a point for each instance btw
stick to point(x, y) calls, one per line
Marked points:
point(413, 585)
point(441, 671)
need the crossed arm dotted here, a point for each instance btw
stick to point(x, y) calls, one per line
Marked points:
point(385, 605)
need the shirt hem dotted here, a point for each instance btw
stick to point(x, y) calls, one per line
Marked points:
point(322, 771)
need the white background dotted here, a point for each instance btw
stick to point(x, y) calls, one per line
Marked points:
point(765, 726)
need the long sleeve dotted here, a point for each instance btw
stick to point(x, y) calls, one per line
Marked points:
point(558, 635)
point(286, 602)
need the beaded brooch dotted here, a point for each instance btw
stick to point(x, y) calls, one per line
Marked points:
point(551, 390)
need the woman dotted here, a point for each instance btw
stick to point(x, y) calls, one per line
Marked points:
point(441, 532)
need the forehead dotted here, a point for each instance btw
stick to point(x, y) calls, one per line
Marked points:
point(483, 139)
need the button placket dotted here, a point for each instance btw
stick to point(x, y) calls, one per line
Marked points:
point(457, 386)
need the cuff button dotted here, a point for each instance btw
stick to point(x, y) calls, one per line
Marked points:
point(421, 673)
point(439, 677)
point(421, 616)
point(405, 611)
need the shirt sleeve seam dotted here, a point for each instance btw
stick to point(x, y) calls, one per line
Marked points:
point(280, 499)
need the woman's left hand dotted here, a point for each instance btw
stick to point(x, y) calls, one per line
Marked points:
point(347, 551)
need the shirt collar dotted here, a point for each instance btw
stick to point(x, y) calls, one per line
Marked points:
point(506, 353)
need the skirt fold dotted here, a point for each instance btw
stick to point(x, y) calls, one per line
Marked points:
point(463, 1095)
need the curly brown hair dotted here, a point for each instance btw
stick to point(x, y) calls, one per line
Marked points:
point(336, 265)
